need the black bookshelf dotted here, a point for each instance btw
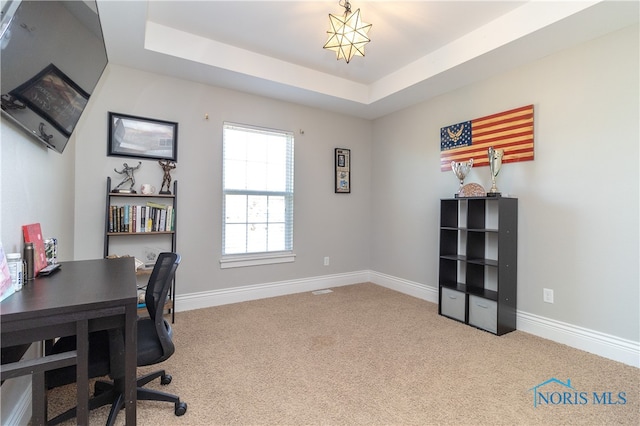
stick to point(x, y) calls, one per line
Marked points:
point(478, 262)
point(122, 199)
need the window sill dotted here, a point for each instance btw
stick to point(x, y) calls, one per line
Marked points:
point(256, 259)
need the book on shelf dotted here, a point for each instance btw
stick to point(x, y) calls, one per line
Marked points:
point(142, 221)
point(170, 221)
point(125, 221)
point(163, 220)
point(152, 217)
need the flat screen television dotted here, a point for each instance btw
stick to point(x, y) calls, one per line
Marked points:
point(52, 56)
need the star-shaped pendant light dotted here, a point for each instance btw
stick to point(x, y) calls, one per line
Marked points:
point(347, 33)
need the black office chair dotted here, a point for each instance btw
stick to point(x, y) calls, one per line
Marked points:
point(154, 346)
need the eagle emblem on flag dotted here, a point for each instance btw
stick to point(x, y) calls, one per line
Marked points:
point(455, 135)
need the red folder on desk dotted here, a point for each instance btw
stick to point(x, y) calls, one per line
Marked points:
point(33, 234)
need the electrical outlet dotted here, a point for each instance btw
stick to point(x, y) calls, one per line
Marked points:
point(326, 261)
point(547, 295)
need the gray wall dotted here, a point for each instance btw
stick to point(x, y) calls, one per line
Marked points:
point(37, 186)
point(326, 224)
point(578, 200)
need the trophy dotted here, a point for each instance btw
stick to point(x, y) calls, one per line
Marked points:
point(167, 166)
point(461, 170)
point(495, 163)
point(127, 171)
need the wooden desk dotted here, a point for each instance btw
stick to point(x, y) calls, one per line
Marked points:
point(81, 297)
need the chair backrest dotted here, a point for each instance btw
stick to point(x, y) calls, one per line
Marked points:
point(156, 295)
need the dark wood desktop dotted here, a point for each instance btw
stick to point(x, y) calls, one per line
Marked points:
point(81, 297)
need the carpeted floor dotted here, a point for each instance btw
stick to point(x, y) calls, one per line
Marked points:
point(367, 355)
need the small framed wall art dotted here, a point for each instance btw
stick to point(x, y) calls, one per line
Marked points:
point(140, 137)
point(342, 170)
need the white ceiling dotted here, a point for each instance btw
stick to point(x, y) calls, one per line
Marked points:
point(418, 49)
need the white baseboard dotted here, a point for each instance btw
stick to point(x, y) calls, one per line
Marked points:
point(607, 346)
point(205, 299)
point(20, 413)
point(421, 291)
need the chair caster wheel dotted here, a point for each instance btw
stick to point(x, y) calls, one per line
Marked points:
point(181, 408)
point(165, 379)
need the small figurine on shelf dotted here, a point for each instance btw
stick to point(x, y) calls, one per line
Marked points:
point(128, 171)
point(167, 166)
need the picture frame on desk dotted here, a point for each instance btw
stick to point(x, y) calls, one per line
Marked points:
point(140, 137)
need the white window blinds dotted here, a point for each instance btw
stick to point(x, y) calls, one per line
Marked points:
point(257, 190)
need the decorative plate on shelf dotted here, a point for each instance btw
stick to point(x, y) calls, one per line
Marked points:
point(472, 190)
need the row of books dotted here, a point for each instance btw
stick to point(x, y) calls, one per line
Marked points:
point(152, 217)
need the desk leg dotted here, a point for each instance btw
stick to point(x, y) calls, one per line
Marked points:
point(82, 372)
point(38, 399)
point(131, 361)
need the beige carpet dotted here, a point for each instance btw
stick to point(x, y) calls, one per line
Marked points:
point(366, 355)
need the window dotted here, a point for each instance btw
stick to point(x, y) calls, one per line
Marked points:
point(257, 188)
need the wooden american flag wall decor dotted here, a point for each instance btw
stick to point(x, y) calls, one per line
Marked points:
point(510, 130)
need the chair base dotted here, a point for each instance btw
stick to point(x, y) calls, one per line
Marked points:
point(113, 393)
